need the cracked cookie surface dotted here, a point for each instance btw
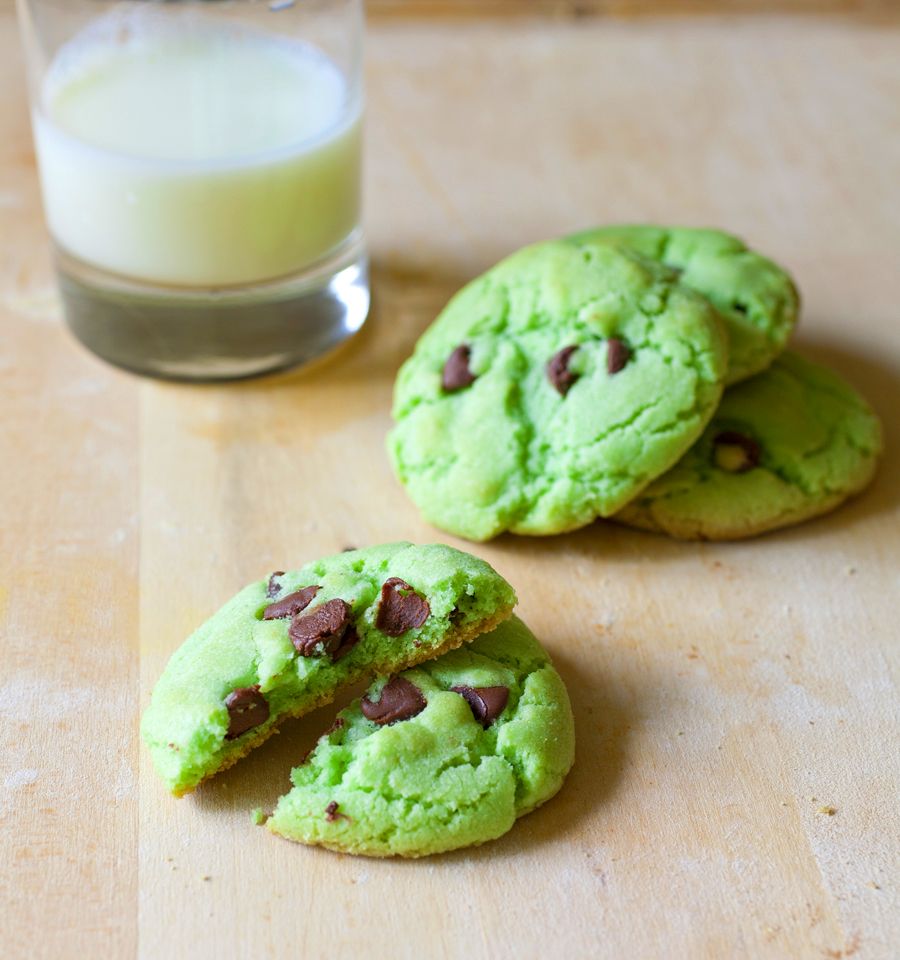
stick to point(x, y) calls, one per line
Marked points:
point(789, 444)
point(486, 736)
point(757, 299)
point(552, 389)
point(288, 644)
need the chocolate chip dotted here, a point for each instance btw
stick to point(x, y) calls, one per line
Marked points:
point(323, 627)
point(338, 724)
point(735, 452)
point(400, 700)
point(558, 372)
point(457, 374)
point(247, 708)
point(273, 586)
point(290, 605)
point(487, 703)
point(332, 812)
point(350, 640)
point(401, 608)
point(617, 355)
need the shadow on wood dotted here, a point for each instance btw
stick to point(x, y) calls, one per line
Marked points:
point(604, 721)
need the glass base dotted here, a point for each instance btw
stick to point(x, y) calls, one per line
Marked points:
point(205, 335)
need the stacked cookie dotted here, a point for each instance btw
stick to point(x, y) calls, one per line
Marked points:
point(467, 727)
point(637, 373)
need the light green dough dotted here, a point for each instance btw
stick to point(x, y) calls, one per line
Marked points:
point(819, 443)
point(438, 781)
point(509, 452)
point(186, 722)
point(756, 297)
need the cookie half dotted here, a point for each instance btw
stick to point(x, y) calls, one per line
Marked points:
point(790, 444)
point(288, 644)
point(443, 756)
point(552, 389)
point(756, 297)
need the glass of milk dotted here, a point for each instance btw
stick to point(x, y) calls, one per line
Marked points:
point(200, 167)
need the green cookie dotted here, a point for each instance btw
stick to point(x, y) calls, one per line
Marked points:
point(757, 299)
point(286, 645)
point(791, 443)
point(446, 756)
point(553, 389)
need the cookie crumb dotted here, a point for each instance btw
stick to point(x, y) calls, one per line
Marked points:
point(258, 816)
point(827, 811)
point(872, 885)
point(205, 877)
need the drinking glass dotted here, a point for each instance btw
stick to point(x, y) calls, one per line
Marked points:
point(200, 165)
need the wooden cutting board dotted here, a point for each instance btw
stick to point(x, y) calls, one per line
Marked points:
point(728, 698)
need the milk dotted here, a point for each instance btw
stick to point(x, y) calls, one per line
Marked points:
point(197, 155)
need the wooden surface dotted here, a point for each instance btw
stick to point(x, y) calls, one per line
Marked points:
point(725, 696)
point(620, 8)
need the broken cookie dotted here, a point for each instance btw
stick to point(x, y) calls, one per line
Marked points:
point(288, 644)
point(446, 755)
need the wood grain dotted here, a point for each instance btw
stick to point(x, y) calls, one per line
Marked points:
point(718, 689)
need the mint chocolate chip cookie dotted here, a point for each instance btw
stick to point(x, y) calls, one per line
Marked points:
point(443, 756)
point(287, 644)
point(756, 297)
point(552, 389)
point(790, 444)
